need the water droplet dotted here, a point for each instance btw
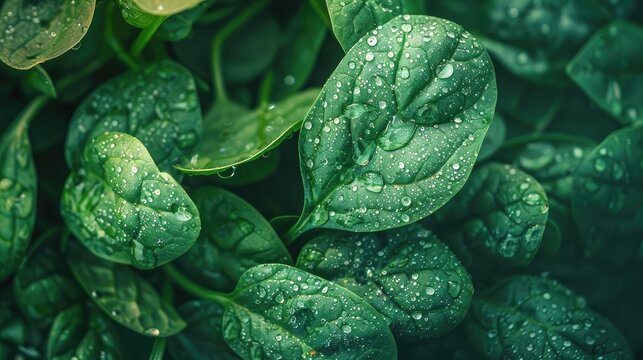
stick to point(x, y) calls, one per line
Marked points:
point(417, 315)
point(396, 135)
point(372, 41)
point(445, 71)
point(430, 291)
point(600, 165)
point(455, 166)
point(152, 331)
point(405, 73)
point(347, 329)
point(406, 201)
point(373, 181)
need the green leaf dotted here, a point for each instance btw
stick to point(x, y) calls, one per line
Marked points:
point(135, 16)
point(235, 237)
point(536, 318)
point(179, 26)
point(158, 104)
point(494, 139)
point(406, 274)
point(43, 286)
point(609, 69)
point(81, 334)
point(165, 7)
point(38, 79)
point(403, 116)
point(500, 213)
point(301, 45)
point(17, 196)
point(229, 141)
point(353, 19)
point(36, 31)
point(203, 337)
point(607, 194)
point(281, 310)
point(123, 295)
point(123, 209)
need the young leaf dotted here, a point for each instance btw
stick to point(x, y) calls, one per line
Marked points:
point(124, 209)
point(352, 19)
point(203, 337)
point(536, 318)
point(38, 79)
point(610, 70)
point(17, 196)
point(501, 213)
point(607, 194)
point(402, 117)
point(158, 104)
point(123, 295)
point(235, 237)
point(231, 141)
point(165, 7)
point(43, 286)
point(36, 31)
point(134, 16)
point(377, 266)
point(77, 333)
point(280, 310)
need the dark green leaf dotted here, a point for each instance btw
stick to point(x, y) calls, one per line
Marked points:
point(494, 139)
point(123, 295)
point(407, 274)
point(536, 318)
point(39, 80)
point(124, 209)
point(179, 26)
point(609, 69)
point(235, 237)
point(281, 311)
point(157, 104)
point(36, 31)
point(397, 128)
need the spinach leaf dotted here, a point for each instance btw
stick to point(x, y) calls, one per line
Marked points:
point(406, 274)
point(607, 194)
point(165, 7)
point(203, 337)
point(610, 70)
point(397, 128)
point(17, 195)
point(179, 26)
point(158, 104)
point(123, 209)
point(36, 31)
point(78, 333)
point(43, 286)
point(500, 213)
point(230, 141)
point(135, 16)
point(280, 310)
point(38, 79)
point(235, 237)
point(123, 295)
point(494, 139)
point(530, 317)
point(352, 19)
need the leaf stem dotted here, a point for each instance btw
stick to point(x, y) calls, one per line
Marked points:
point(30, 111)
point(295, 231)
point(158, 350)
point(219, 39)
point(113, 42)
point(194, 289)
point(145, 36)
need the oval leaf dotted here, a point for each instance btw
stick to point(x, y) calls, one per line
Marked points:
point(281, 310)
point(436, 291)
point(123, 209)
point(536, 318)
point(36, 31)
point(157, 104)
point(235, 237)
point(165, 7)
point(123, 295)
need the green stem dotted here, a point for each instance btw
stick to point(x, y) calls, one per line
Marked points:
point(113, 42)
point(69, 80)
point(194, 289)
point(158, 350)
point(216, 15)
point(295, 232)
point(265, 89)
point(320, 8)
point(145, 36)
point(219, 39)
point(30, 112)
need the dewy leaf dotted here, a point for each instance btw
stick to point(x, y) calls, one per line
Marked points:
point(407, 274)
point(123, 209)
point(280, 310)
point(134, 16)
point(77, 333)
point(231, 141)
point(528, 317)
point(609, 69)
point(165, 7)
point(43, 286)
point(203, 337)
point(354, 18)
point(607, 195)
point(36, 31)
point(234, 238)
point(123, 295)
point(500, 213)
point(158, 104)
point(403, 116)
point(17, 197)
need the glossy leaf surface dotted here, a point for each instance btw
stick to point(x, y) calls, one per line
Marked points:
point(407, 274)
point(124, 209)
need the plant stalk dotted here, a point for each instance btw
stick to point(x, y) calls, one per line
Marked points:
point(194, 289)
point(145, 36)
